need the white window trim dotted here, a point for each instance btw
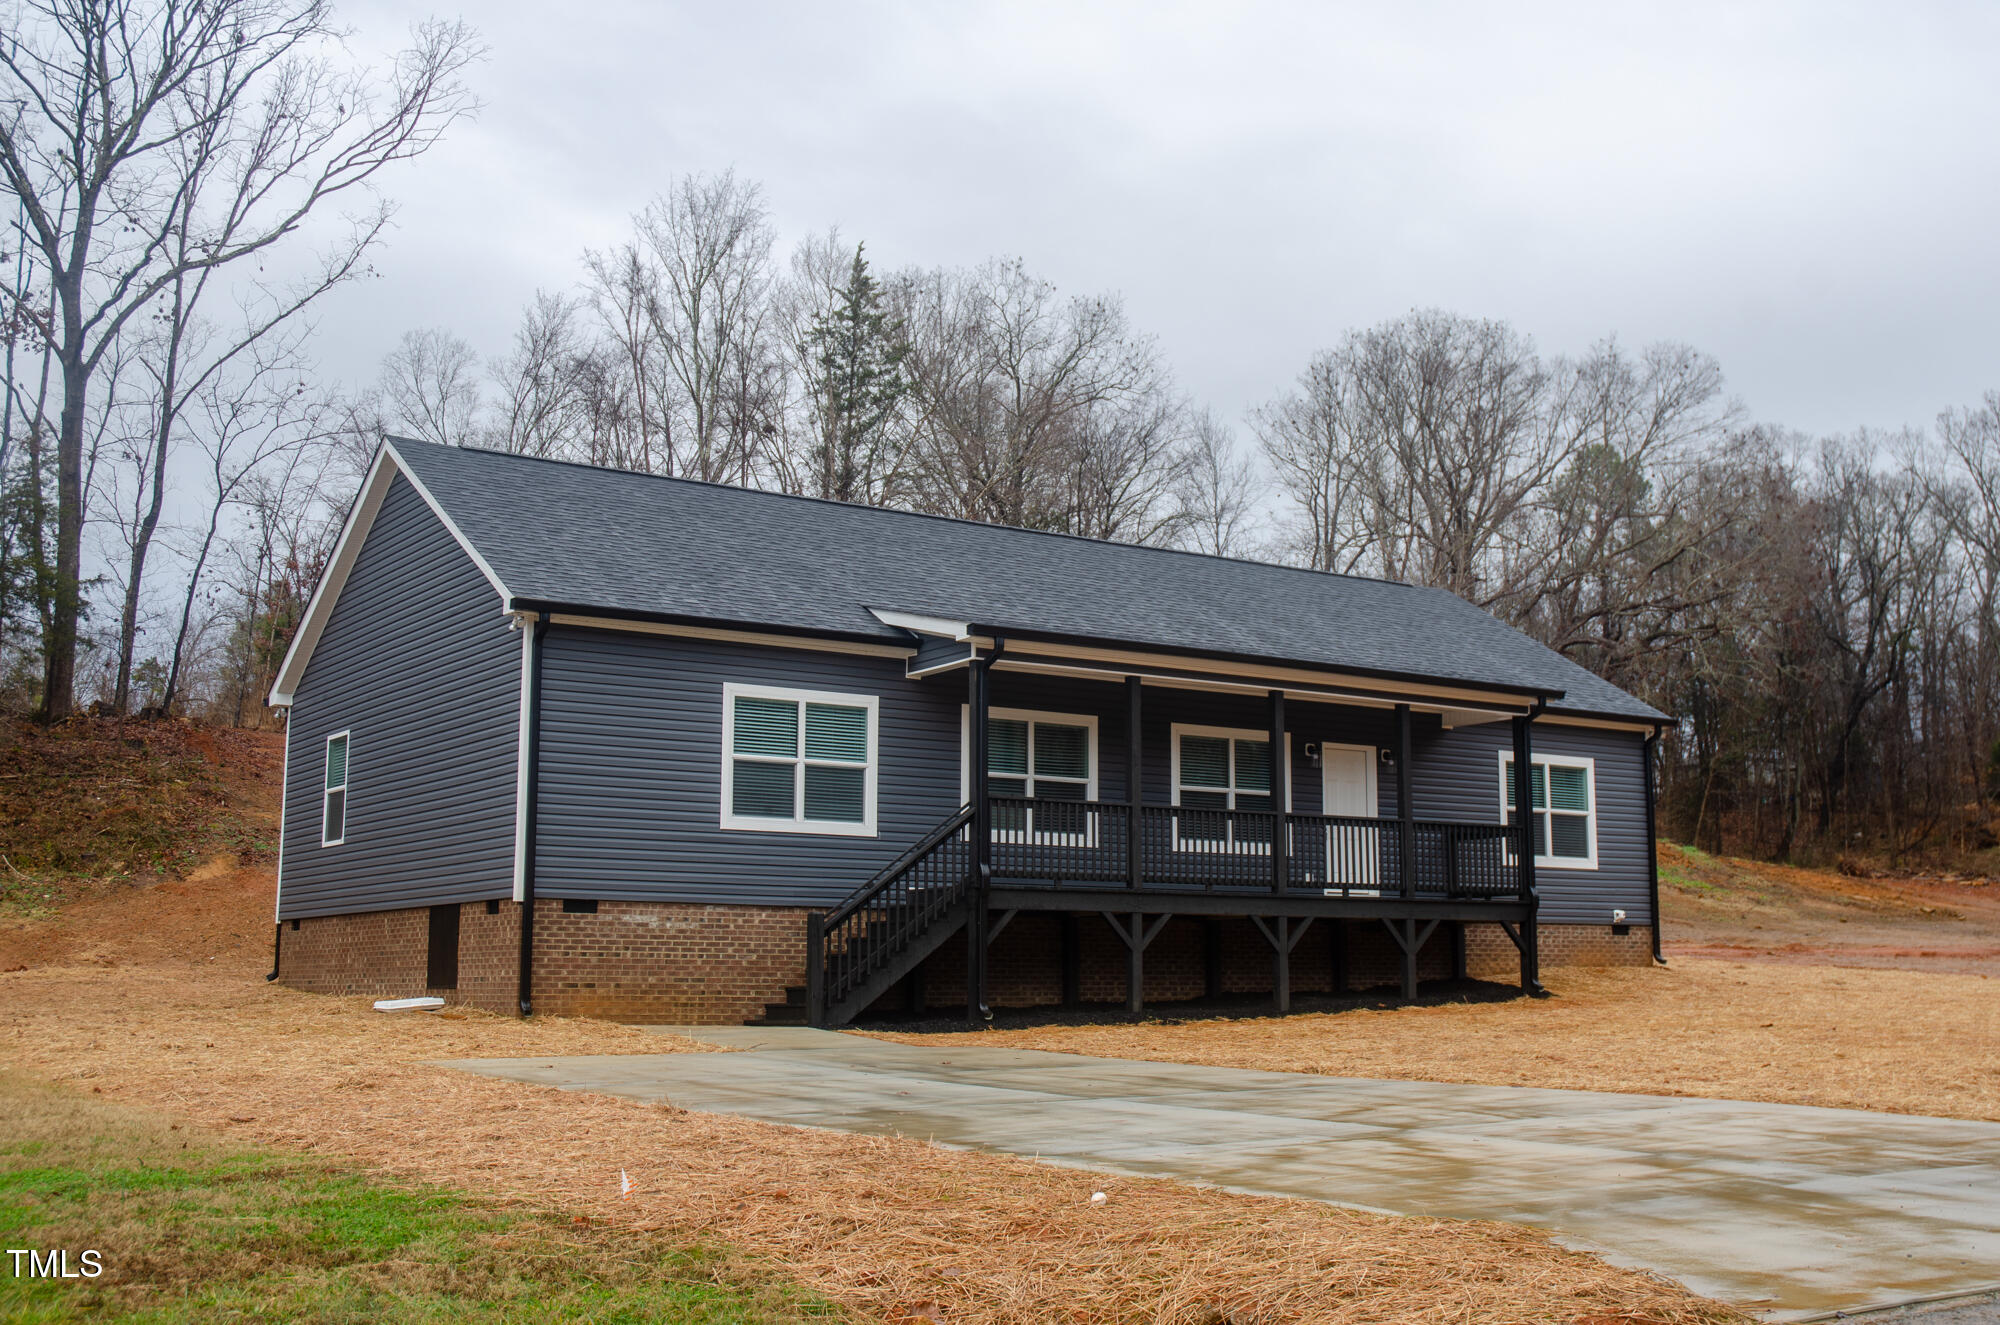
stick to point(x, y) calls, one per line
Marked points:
point(731, 691)
point(1180, 729)
point(1020, 715)
point(346, 779)
point(1031, 716)
point(1589, 766)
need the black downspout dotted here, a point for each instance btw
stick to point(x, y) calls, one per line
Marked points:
point(979, 683)
point(277, 949)
point(1651, 747)
point(527, 992)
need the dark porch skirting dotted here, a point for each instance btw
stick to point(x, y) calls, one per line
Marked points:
point(1196, 957)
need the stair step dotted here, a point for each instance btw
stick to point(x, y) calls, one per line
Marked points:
point(781, 1014)
point(795, 995)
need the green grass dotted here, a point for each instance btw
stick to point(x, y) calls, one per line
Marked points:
point(190, 1230)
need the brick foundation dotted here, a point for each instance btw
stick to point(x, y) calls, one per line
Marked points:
point(672, 963)
point(677, 963)
point(386, 954)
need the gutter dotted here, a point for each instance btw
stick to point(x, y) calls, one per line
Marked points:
point(277, 947)
point(545, 606)
point(527, 969)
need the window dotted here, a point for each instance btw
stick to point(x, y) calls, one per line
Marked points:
point(1216, 768)
point(798, 761)
point(1040, 756)
point(1563, 789)
point(333, 808)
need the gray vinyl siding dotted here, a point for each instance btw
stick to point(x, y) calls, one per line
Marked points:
point(417, 661)
point(631, 755)
point(933, 652)
point(630, 788)
point(1456, 775)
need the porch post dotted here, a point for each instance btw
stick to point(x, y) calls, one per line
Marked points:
point(1406, 815)
point(1072, 961)
point(978, 685)
point(1524, 850)
point(1280, 803)
point(1135, 966)
point(1135, 874)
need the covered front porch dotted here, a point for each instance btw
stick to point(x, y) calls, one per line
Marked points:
point(1090, 786)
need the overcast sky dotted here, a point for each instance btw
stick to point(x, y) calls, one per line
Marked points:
point(1809, 192)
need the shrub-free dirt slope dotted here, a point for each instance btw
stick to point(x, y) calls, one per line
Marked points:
point(147, 843)
point(1722, 906)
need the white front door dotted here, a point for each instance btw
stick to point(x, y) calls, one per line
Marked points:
point(1348, 788)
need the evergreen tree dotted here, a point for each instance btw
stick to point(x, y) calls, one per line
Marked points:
point(859, 352)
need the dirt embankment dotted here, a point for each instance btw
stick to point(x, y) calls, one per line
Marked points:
point(1718, 906)
point(142, 842)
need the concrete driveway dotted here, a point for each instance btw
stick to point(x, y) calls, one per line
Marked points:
point(1776, 1207)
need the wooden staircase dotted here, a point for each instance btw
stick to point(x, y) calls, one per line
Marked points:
point(859, 950)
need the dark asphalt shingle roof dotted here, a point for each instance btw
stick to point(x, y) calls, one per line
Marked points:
point(631, 543)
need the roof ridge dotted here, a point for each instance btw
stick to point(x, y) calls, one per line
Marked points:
point(919, 515)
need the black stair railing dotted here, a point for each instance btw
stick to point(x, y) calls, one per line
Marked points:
point(865, 934)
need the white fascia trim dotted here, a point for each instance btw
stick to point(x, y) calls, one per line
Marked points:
point(284, 803)
point(855, 647)
point(522, 623)
point(919, 624)
point(444, 518)
point(1470, 717)
point(1331, 681)
point(1309, 694)
point(360, 518)
point(1599, 724)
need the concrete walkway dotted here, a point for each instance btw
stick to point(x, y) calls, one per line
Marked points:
point(1779, 1208)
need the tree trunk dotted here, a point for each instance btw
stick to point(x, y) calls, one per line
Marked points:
point(172, 691)
point(59, 642)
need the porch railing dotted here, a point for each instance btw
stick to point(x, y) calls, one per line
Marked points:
point(849, 945)
point(1091, 842)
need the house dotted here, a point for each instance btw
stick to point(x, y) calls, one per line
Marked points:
point(591, 742)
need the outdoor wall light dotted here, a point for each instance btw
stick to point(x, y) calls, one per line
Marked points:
point(1312, 753)
point(1388, 755)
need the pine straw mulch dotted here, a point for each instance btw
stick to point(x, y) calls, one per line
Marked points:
point(1896, 1041)
point(892, 1229)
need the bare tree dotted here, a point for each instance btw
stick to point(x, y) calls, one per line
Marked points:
point(700, 270)
point(1221, 492)
point(1036, 410)
point(249, 422)
point(431, 382)
point(107, 104)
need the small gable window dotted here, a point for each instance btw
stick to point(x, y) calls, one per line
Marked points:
point(333, 805)
point(798, 761)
